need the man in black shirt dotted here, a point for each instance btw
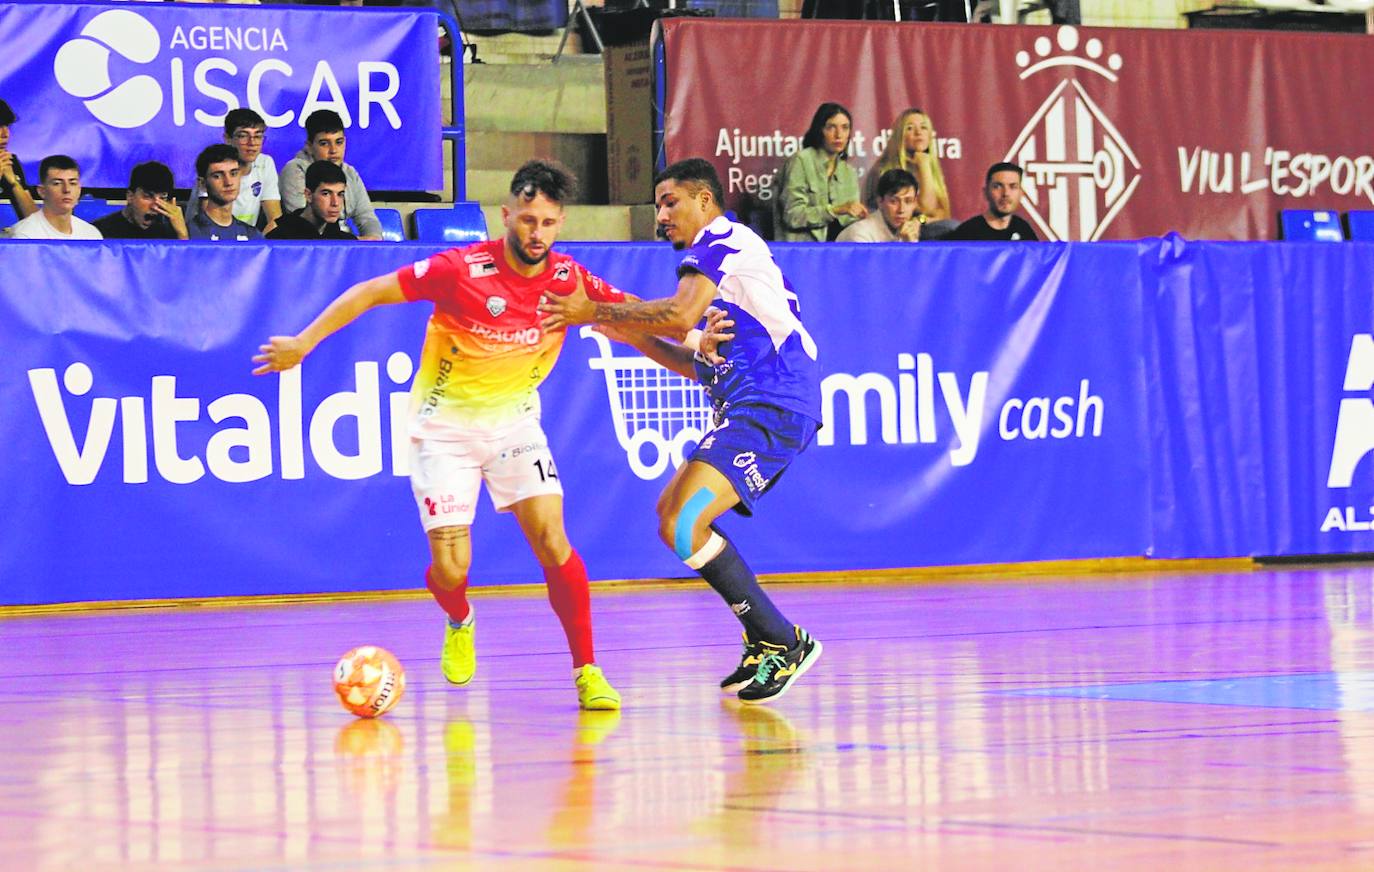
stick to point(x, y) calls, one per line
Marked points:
point(325, 184)
point(150, 212)
point(13, 187)
point(1002, 190)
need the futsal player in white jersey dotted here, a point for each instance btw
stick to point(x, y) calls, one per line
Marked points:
point(764, 383)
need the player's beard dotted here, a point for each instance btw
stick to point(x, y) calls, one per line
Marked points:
point(525, 256)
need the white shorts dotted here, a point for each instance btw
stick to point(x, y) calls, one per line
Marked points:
point(446, 476)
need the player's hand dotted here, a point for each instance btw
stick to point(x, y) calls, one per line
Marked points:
point(910, 231)
point(561, 313)
point(279, 354)
point(716, 334)
point(172, 212)
point(7, 167)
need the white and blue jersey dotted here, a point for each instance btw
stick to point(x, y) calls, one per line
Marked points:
point(772, 359)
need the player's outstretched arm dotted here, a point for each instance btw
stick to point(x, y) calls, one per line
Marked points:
point(283, 352)
point(671, 316)
point(669, 355)
point(679, 357)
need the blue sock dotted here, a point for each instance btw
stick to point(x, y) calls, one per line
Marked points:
point(728, 574)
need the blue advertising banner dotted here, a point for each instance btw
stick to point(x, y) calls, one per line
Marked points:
point(1261, 363)
point(982, 404)
point(114, 85)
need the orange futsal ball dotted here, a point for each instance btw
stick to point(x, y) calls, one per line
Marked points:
point(369, 681)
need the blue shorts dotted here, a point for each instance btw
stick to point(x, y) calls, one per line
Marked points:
point(752, 446)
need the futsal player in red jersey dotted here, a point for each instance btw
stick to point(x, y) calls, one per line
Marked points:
point(474, 407)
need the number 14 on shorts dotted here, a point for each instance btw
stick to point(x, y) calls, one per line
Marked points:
point(546, 469)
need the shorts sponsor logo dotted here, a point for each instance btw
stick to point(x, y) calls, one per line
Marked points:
point(753, 477)
point(446, 504)
point(527, 448)
point(740, 608)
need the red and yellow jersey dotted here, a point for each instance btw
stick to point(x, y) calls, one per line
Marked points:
point(485, 353)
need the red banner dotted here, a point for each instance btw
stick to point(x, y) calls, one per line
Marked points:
point(1122, 133)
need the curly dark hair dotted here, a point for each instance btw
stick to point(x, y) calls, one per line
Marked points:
point(547, 177)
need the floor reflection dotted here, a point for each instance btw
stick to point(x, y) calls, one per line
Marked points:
point(1123, 723)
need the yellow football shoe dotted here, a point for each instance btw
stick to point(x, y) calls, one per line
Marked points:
point(594, 692)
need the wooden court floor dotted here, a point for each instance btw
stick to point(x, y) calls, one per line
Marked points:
point(1108, 723)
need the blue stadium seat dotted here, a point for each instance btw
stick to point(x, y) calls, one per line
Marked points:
point(1360, 224)
point(462, 224)
point(392, 228)
point(89, 209)
point(1309, 225)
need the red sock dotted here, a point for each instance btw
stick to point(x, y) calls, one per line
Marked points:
point(453, 601)
point(572, 602)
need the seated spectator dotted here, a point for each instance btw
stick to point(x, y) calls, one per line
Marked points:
point(818, 191)
point(325, 140)
point(895, 219)
point(149, 211)
point(217, 174)
point(911, 147)
point(258, 197)
point(325, 187)
point(13, 187)
point(59, 184)
point(1002, 190)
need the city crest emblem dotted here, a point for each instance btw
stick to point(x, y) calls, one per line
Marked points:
point(496, 305)
point(1080, 171)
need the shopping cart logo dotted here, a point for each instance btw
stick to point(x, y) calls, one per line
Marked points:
point(658, 414)
point(1080, 171)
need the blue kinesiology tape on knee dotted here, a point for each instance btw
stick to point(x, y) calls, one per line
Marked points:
point(687, 522)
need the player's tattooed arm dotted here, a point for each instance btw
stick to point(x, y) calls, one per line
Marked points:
point(671, 316)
